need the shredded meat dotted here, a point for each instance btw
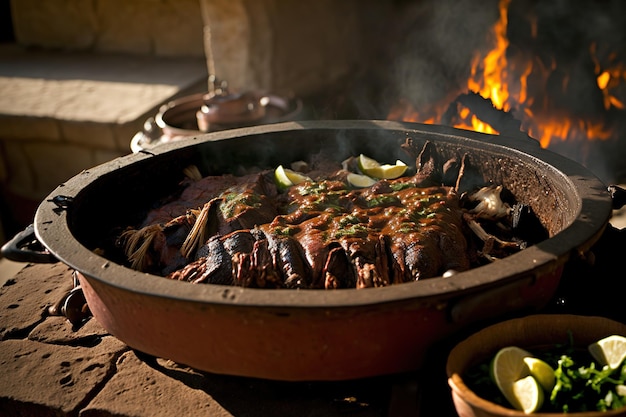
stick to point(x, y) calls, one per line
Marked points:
point(321, 233)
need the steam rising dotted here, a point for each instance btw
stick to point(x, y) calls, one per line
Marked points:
point(433, 60)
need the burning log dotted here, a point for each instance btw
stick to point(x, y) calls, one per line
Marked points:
point(483, 108)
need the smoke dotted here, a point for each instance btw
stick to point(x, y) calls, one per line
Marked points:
point(432, 42)
point(433, 57)
point(568, 42)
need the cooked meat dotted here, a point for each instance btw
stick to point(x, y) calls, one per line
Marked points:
point(335, 237)
point(321, 233)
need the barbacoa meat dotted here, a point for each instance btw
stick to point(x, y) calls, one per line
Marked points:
point(330, 236)
point(322, 233)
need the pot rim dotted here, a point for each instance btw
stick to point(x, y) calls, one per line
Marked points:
point(53, 231)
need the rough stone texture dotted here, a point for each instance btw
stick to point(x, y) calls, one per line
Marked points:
point(175, 26)
point(60, 378)
point(144, 27)
point(15, 162)
point(55, 24)
point(135, 381)
point(163, 382)
point(86, 75)
point(227, 41)
point(24, 301)
point(81, 87)
point(4, 175)
point(288, 47)
point(29, 125)
point(57, 330)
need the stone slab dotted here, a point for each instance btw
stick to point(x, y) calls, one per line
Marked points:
point(24, 299)
point(280, 46)
point(84, 87)
point(136, 383)
point(48, 165)
point(172, 389)
point(39, 376)
point(58, 330)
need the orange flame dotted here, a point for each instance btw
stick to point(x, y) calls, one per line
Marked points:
point(608, 79)
point(491, 81)
point(506, 84)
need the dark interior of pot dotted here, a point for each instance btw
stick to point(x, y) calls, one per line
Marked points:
point(128, 188)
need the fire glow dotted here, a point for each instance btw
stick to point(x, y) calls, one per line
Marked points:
point(519, 83)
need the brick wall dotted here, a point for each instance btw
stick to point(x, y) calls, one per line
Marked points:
point(146, 27)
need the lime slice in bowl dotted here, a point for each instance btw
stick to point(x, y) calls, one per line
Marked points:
point(610, 351)
point(543, 373)
point(508, 366)
point(528, 394)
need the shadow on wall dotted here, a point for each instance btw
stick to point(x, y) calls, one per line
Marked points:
point(6, 23)
point(16, 216)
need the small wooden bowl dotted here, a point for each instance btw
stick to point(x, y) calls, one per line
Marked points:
point(527, 332)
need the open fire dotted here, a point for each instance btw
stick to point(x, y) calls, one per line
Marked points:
point(567, 100)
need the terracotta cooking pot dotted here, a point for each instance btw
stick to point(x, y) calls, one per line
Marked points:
point(313, 334)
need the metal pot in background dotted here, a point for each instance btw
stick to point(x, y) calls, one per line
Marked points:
point(214, 111)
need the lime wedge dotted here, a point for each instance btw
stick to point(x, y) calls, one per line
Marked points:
point(360, 181)
point(373, 168)
point(543, 373)
point(365, 163)
point(609, 351)
point(528, 394)
point(286, 177)
point(508, 366)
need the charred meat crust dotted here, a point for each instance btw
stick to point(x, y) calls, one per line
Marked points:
point(318, 234)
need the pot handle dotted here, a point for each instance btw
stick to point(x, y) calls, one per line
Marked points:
point(24, 247)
